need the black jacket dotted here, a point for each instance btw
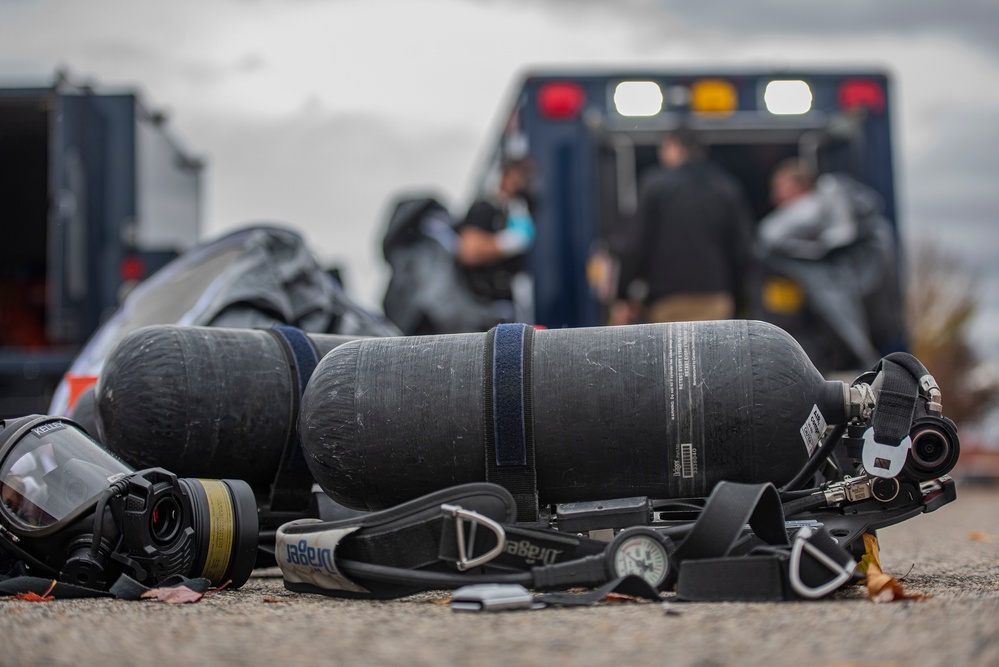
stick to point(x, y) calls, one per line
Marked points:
point(493, 281)
point(692, 233)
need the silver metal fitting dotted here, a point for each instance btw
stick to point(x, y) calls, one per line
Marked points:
point(929, 385)
point(850, 490)
point(860, 401)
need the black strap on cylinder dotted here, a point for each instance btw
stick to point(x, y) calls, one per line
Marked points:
point(509, 415)
point(292, 487)
point(892, 416)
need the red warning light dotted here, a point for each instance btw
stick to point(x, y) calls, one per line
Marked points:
point(862, 94)
point(561, 100)
point(132, 268)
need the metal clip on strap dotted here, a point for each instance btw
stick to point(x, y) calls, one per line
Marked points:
point(465, 547)
point(804, 542)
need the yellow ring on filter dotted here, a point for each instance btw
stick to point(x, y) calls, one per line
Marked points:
point(221, 525)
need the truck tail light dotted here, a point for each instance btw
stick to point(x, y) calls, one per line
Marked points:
point(561, 100)
point(862, 94)
point(132, 268)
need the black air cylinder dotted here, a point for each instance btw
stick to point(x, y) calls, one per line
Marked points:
point(203, 401)
point(660, 410)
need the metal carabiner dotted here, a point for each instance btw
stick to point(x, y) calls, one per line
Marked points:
point(465, 562)
point(842, 572)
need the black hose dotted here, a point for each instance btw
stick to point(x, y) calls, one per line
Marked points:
point(818, 458)
point(406, 577)
point(787, 496)
point(114, 490)
point(809, 502)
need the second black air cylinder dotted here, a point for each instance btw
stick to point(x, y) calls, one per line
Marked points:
point(661, 410)
point(207, 401)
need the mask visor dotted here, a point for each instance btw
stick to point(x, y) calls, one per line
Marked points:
point(53, 470)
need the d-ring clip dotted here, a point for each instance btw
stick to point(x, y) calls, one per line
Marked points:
point(465, 560)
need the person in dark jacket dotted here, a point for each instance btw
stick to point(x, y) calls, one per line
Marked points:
point(689, 253)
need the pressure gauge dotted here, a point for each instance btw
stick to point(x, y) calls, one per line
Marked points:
point(641, 551)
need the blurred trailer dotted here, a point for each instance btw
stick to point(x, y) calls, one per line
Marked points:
point(591, 135)
point(95, 195)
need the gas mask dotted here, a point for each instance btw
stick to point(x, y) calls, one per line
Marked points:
point(74, 512)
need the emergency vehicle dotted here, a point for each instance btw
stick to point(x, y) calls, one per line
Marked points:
point(95, 195)
point(591, 135)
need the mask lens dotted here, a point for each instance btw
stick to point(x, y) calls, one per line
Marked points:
point(53, 470)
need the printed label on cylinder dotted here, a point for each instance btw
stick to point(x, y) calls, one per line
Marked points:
point(813, 429)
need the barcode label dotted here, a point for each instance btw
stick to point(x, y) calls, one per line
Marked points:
point(688, 465)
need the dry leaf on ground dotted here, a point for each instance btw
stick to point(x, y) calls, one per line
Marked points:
point(882, 587)
point(173, 595)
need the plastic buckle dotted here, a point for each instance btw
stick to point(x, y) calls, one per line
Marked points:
point(843, 572)
point(465, 562)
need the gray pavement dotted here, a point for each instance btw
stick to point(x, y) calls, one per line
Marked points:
point(953, 555)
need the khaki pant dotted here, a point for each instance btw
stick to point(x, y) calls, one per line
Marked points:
point(692, 307)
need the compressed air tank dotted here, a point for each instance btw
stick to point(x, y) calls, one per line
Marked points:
point(660, 410)
point(206, 401)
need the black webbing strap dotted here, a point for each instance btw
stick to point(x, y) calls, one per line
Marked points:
point(631, 585)
point(728, 509)
point(892, 417)
point(429, 541)
point(815, 566)
point(758, 578)
point(125, 588)
point(41, 586)
point(292, 487)
point(509, 415)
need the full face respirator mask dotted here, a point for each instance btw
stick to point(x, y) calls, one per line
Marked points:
point(74, 512)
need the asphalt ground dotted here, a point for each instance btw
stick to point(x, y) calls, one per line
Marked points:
point(951, 554)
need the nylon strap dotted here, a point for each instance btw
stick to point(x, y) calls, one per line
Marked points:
point(631, 585)
point(292, 485)
point(892, 416)
point(736, 579)
point(728, 509)
point(125, 588)
point(41, 586)
point(422, 543)
point(508, 407)
point(708, 572)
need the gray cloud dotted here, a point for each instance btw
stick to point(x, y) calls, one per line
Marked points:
point(968, 20)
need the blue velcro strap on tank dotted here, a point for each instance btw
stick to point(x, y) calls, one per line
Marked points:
point(508, 410)
point(292, 485)
point(508, 395)
point(302, 351)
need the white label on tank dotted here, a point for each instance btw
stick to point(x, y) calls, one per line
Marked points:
point(688, 461)
point(813, 429)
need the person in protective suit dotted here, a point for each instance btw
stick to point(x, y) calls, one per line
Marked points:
point(427, 292)
point(829, 268)
point(494, 238)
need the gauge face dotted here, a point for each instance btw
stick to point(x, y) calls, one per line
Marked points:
point(643, 554)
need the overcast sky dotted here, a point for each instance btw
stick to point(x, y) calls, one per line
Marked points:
point(316, 112)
